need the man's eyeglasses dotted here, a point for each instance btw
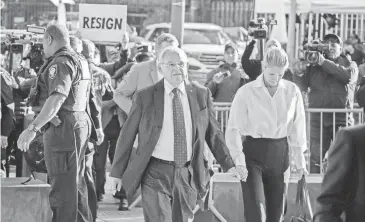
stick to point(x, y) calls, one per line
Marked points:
point(180, 65)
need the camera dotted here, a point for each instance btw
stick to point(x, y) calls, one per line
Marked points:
point(14, 43)
point(313, 49)
point(36, 56)
point(16, 48)
point(259, 29)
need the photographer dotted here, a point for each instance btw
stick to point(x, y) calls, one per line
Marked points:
point(23, 79)
point(225, 80)
point(332, 81)
point(253, 67)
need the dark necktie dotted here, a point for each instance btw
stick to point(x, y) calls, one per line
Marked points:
point(180, 148)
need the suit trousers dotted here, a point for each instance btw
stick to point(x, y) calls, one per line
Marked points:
point(166, 192)
point(107, 148)
point(264, 190)
point(91, 190)
point(64, 154)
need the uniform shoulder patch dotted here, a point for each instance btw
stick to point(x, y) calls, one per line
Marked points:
point(52, 71)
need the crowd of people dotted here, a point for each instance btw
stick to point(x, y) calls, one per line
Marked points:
point(156, 126)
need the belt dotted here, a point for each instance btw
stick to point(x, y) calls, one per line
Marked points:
point(250, 138)
point(172, 163)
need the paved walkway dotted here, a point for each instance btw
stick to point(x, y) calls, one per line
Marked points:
point(108, 208)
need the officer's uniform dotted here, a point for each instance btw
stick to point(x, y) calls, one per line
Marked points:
point(65, 144)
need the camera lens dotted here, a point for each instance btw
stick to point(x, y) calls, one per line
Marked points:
point(312, 57)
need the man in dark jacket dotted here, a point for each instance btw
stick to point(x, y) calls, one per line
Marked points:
point(343, 186)
point(252, 67)
point(332, 83)
point(224, 87)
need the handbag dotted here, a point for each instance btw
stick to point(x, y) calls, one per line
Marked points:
point(303, 202)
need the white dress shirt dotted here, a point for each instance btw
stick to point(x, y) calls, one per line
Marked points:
point(254, 112)
point(165, 145)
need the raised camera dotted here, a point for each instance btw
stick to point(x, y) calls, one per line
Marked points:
point(313, 49)
point(16, 48)
point(258, 29)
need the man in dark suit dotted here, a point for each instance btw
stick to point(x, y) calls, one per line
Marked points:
point(343, 187)
point(173, 119)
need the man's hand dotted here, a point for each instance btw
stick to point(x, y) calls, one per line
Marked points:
point(218, 78)
point(125, 41)
point(239, 172)
point(100, 136)
point(320, 59)
point(25, 139)
point(117, 183)
point(4, 142)
point(242, 170)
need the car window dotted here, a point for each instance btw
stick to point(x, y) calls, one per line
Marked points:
point(196, 36)
point(213, 37)
point(233, 33)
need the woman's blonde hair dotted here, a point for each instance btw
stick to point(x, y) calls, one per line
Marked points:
point(275, 57)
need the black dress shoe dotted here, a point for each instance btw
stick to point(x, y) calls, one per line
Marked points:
point(100, 197)
point(123, 205)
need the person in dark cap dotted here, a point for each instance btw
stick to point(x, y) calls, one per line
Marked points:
point(225, 80)
point(332, 81)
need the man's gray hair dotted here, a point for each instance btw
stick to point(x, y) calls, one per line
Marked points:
point(173, 49)
point(166, 37)
point(275, 57)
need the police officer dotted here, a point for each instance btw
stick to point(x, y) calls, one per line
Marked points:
point(61, 94)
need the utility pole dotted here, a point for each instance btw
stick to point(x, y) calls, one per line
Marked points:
point(178, 19)
point(291, 40)
point(61, 13)
point(61, 9)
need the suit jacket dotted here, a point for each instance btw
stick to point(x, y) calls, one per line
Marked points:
point(343, 187)
point(145, 119)
point(139, 77)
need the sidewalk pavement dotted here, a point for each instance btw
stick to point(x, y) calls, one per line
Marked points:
point(108, 208)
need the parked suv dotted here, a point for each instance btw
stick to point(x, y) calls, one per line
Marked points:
point(203, 43)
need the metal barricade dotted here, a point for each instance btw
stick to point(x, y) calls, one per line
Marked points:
point(353, 117)
point(221, 114)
